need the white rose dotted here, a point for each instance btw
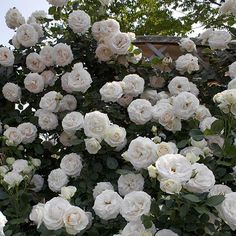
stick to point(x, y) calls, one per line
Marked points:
point(157, 82)
point(71, 164)
point(134, 205)
point(133, 84)
point(119, 43)
point(100, 187)
point(57, 179)
point(28, 132)
point(6, 57)
point(58, 3)
point(75, 220)
point(206, 123)
point(79, 79)
point(219, 189)
point(107, 205)
point(92, 145)
point(141, 152)
point(228, 7)
point(232, 84)
point(3, 170)
point(115, 135)
point(39, 29)
point(187, 63)
point(188, 45)
point(152, 171)
point(219, 40)
point(165, 232)
point(96, 124)
point(47, 120)
point(51, 101)
point(105, 28)
point(79, 21)
point(62, 54)
point(20, 165)
point(206, 35)
point(202, 181)
point(67, 139)
point(64, 83)
point(129, 183)
point(72, 122)
point(193, 89)
point(3, 221)
point(140, 111)
point(201, 113)
point(134, 228)
point(232, 70)
point(185, 105)
point(53, 213)
point(174, 166)
point(68, 103)
point(49, 78)
point(150, 95)
point(12, 179)
point(37, 16)
point(103, 52)
point(26, 35)
point(160, 108)
point(179, 84)
point(164, 148)
point(34, 83)
point(12, 92)
point(46, 54)
point(36, 214)
point(227, 210)
point(14, 18)
point(192, 153)
point(13, 136)
point(37, 181)
point(111, 91)
point(170, 186)
point(68, 192)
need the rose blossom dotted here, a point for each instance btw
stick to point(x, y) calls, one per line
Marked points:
point(49, 78)
point(12, 92)
point(187, 44)
point(58, 3)
point(47, 120)
point(46, 54)
point(79, 21)
point(37, 182)
point(12, 179)
point(13, 136)
point(115, 135)
point(51, 101)
point(170, 186)
point(14, 18)
point(72, 122)
point(100, 187)
point(67, 139)
point(64, 83)
point(71, 164)
point(57, 179)
point(28, 132)
point(187, 63)
point(92, 145)
point(34, 83)
point(37, 213)
point(111, 91)
point(26, 35)
point(107, 205)
point(68, 103)
point(219, 39)
point(103, 52)
point(6, 57)
point(179, 84)
point(62, 54)
point(68, 192)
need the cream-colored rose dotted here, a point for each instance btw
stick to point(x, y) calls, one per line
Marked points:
point(6, 57)
point(164, 148)
point(71, 164)
point(187, 44)
point(67, 139)
point(26, 35)
point(103, 52)
point(92, 145)
point(47, 120)
point(100, 187)
point(68, 103)
point(68, 192)
point(34, 83)
point(51, 101)
point(57, 179)
point(170, 186)
point(111, 91)
point(115, 135)
point(187, 63)
point(119, 43)
point(47, 55)
point(49, 78)
point(37, 213)
point(62, 54)
point(152, 171)
point(28, 132)
point(219, 39)
point(72, 122)
point(12, 92)
point(13, 136)
point(64, 83)
point(14, 18)
point(79, 21)
point(179, 84)
point(75, 220)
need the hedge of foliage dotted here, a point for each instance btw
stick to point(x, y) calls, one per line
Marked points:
point(99, 140)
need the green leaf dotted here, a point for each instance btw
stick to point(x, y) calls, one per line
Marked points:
point(196, 134)
point(112, 163)
point(215, 200)
point(182, 143)
point(3, 195)
point(217, 126)
point(147, 222)
point(52, 10)
point(192, 198)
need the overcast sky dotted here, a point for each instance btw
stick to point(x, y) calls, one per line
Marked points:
point(26, 7)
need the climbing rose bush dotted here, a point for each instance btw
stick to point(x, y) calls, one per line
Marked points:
point(97, 139)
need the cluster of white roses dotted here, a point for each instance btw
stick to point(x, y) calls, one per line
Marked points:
point(217, 39)
point(110, 40)
point(132, 86)
point(71, 165)
point(58, 213)
point(24, 133)
point(18, 170)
